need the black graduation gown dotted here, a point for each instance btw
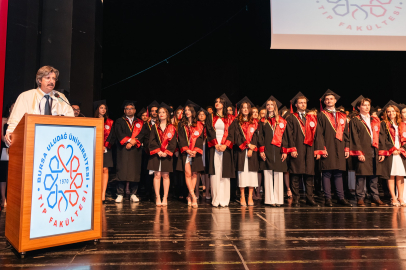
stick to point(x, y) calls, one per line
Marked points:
point(129, 161)
point(273, 153)
point(197, 161)
point(241, 151)
point(360, 144)
point(386, 165)
point(228, 165)
point(326, 139)
point(305, 161)
point(155, 145)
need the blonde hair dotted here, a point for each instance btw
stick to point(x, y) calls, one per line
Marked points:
point(45, 71)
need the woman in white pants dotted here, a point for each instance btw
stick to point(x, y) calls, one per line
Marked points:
point(273, 151)
point(220, 139)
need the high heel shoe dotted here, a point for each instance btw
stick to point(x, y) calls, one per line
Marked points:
point(189, 202)
point(158, 204)
point(401, 203)
point(243, 204)
point(394, 203)
point(164, 204)
point(194, 204)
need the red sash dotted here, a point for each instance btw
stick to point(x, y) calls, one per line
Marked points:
point(227, 120)
point(310, 129)
point(137, 127)
point(248, 131)
point(338, 125)
point(108, 125)
point(376, 126)
point(402, 132)
point(164, 138)
point(278, 129)
point(192, 133)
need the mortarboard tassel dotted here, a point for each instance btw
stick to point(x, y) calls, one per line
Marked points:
point(235, 114)
point(291, 109)
point(321, 107)
point(147, 112)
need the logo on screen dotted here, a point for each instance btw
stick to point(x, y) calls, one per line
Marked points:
point(361, 15)
point(63, 182)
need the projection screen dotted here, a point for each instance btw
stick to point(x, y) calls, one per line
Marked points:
point(338, 24)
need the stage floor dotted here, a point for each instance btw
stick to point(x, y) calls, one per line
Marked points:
point(142, 236)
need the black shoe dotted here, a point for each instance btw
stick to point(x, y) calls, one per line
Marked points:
point(312, 203)
point(318, 194)
point(344, 202)
point(104, 201)
point(295, 203)
point(328, 203)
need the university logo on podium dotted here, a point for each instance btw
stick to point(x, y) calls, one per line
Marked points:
point(63, 177)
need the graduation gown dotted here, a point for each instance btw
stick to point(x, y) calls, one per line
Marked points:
point(389, 148)
point(108, 133)
point(246, 134)
point(301, 140)
point(360, 144)
point(228, 165)
point(273, 140)
point(195, 143)
point(332, 135)
point(164, 141)
point(129, 161)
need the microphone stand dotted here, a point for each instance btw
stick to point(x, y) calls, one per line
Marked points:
point(56, 94)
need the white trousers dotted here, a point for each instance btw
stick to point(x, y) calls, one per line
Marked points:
point(273, 183)
point(220, 187)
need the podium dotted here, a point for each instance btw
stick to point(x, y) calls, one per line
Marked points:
point(54, 182)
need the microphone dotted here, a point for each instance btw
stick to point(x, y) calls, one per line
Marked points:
point(56, 94)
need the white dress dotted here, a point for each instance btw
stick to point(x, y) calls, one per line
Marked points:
point(398, 169)
point(220, 187)
point(247, 178)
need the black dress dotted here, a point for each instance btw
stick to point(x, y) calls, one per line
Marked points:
point(196, 143)
point(164, 141)
point(3, 163)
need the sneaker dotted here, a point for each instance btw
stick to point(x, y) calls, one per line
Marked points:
point(134, 198)
point(119, 198)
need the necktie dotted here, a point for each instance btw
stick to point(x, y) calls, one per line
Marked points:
point(47, 106)
point(303, 118)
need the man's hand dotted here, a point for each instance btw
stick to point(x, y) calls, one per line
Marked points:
point(381, 158)
point(317, 157)
point(263, 156)
point(223, 148)
point(249, 153)
point(163, 154)
point(193, 153)
point(189, 152)
point(133, 141)
point(128, 146)
point(294, 154)
point(217, 146)
point(325, 155)
point(7, 138)
point(361, 158)
point(160, 153)
point(252, 147)
point(284, 156)
point(347, 154)
point(396, 152)
point(104, 148)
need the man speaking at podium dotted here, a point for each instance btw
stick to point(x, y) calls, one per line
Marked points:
point(43, 100)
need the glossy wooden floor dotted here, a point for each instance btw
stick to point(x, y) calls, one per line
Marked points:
point(141, 236)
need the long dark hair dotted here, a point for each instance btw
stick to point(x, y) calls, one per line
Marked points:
point(105, 116)
point(241, 116)
point(185, 121)
point(222, 101)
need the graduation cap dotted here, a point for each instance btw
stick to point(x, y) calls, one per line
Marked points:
point(194, 105)
point(401, 106)
point(166, 106)
point(179, 108)
point(96, 104)
point(278, 103)
point(390, 102)
point(244, 99)
point(153, 104)
point(126, 103)
point(227, 100)
point(203, 110)
point(75, 102)
point(294, 99)
point(355, 102)
point(378, 108)
point(141, 112)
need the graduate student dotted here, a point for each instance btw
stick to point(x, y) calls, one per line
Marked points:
point(131, 133)
point(301, 128)
point(220, 139)
point(162, 145)
point(101, 111)
point(332, 144)
point(273, 142)
point(191, 136)
point(367, 140)
point(246, 138)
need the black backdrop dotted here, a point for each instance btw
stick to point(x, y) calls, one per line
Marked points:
point(235, 59)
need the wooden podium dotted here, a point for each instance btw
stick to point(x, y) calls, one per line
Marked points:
point(54, 182)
